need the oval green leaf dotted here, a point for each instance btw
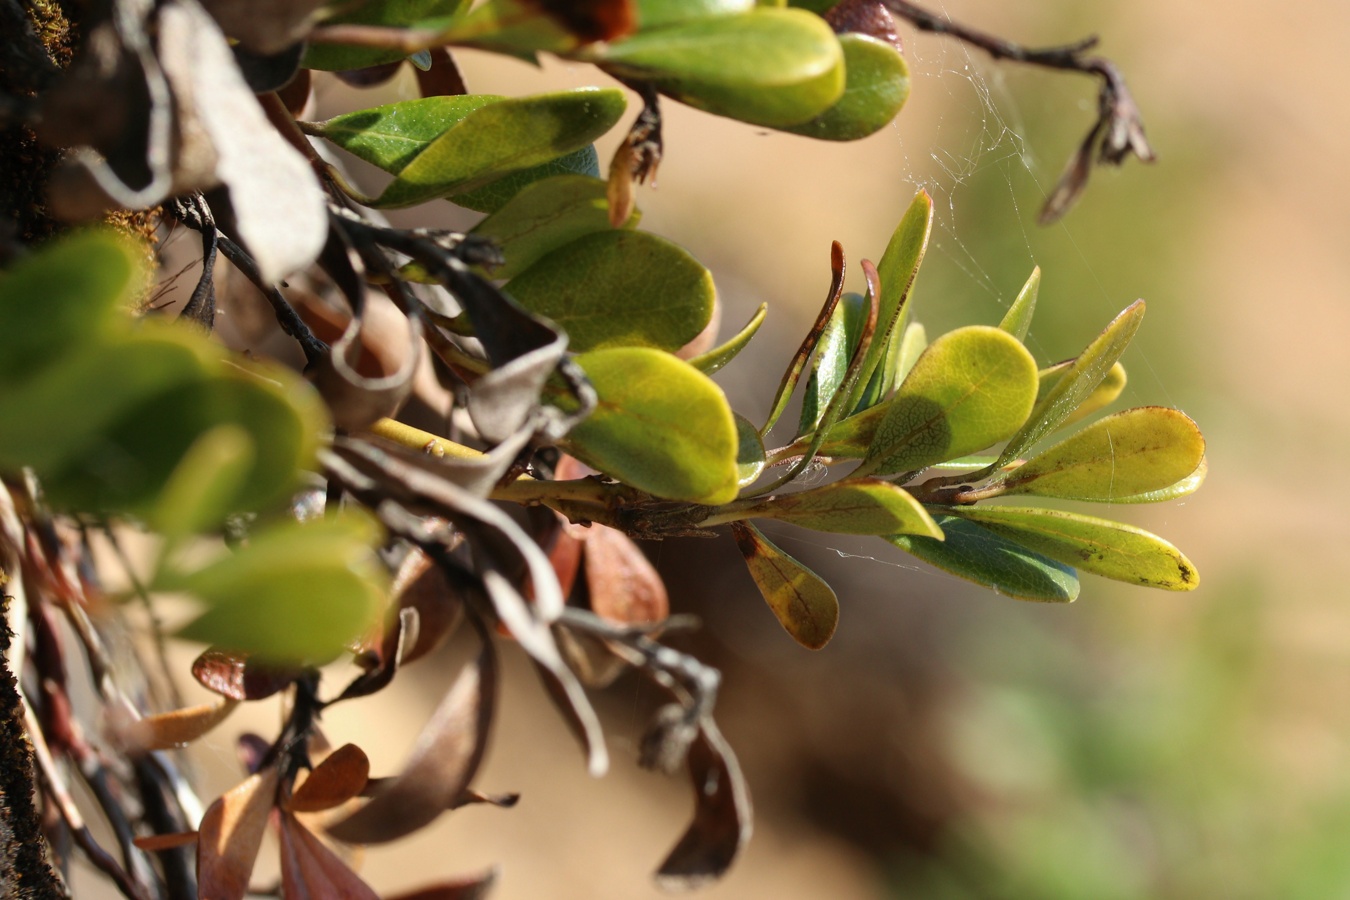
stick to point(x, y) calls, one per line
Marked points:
point(979, 555)
point(503, 137)
point(802, 602)
point(855, 506)
point(1137, 451)
point(1109, 549)
point(1077, 383)
point(660, 425)
point(293, 594)
point(62, 296)
point(659, 13)
point(391, 136)
point(770, 67)
point(830, 362)
point(545, 216)
point(717, 357)
point(971, 388)
point(1183, 488)
point(495, 194)
point(1017, 320)
point(876, 87)
point(431, 14)
point(619, 289)
point(898, 268)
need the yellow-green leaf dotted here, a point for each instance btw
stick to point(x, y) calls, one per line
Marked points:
point(876, 87)
point(855, 506)
point(971, 388)
point(1102, 395)
point(1110, 549)
point(1134, 452)
point(803, 603)
point(717, 357)
point(1017, 321)
point(660, 425)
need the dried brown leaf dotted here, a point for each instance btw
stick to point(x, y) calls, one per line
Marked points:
point(334, 781)
point(236, 676)
point(422, 586)
point(311, 870)
point(152, 843)
point(443, 762)
point(166, 731)
point(624, 586)
point(231, 834)
point(722, 815)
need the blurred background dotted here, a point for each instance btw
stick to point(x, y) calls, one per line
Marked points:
point(950, 743)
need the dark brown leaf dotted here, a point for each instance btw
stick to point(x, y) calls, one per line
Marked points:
point(442, 78)
point(624, 586)
point(422, 586)
point(722, 815)
point(443, 762)
point(236, 676)
point(869, 17)
point(311, 871)
point(337, 779)
point(231, 834)
point(592, 20)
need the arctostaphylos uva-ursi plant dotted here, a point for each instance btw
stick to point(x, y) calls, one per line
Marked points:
point(294, 520)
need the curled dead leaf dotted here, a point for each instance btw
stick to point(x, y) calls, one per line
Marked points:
point(722, 815)
point(231, 834)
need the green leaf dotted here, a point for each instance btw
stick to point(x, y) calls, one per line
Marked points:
point(495, 194)
point(1183, 488)
point(898, 268)
point(770, 67)
point(1137, 451)
point(659, 13)
point(1017, 321)
point(1078, 382)
point(619, 289)
point(200, 491)
point(292, 594)
point(432, 14)
point(499, 138)
point(63, 414)
point(1110, 549)
point(1102, 395)
point(391, 136)
point(971, 388)
point(850, 438)
point(62, 296)
point(912, 344)
point(750, 455)
point(979, 555)
point(660, 425)
point(876, 87)
point(855, 506)
point(717, 357)
point(520, 28)
point(832, 354)
point(545, 216)
point(804, 604)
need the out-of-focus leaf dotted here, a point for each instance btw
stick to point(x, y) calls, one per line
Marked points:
point(235, 676)
point(264, 26)
point(1077, 383)
point(310, 869)
point(503, 137)
point(368, 375)
point(876, 87)
point(389, 13)
point(722, 815)
point(339, 778)
point(979, 555)
point(660, 425)
point(524, 27)
point(771, 67)
point(1103, 395)
point(444, 761)
point(1110, 549)
point(659, 13)
point(280, 212)
point(833, 351)
point(294, 593)
point(1017, 320)
point(202, 488)
point(422, 586)
point(154, 843)
point(855, 506)
point(471, 887)
point(62, 296)
point(1132, 452)
point(803, 603)
point(624, 587)
point(171, 730)
point(231, 834)
point(717, 357)
point(971, 388)
point(898, 268)
point(546, 216)
point(589, 288)
point(750, 457)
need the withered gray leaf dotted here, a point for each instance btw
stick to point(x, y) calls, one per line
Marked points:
point(443, 762)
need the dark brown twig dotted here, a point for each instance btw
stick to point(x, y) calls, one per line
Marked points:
point(1119, 130)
